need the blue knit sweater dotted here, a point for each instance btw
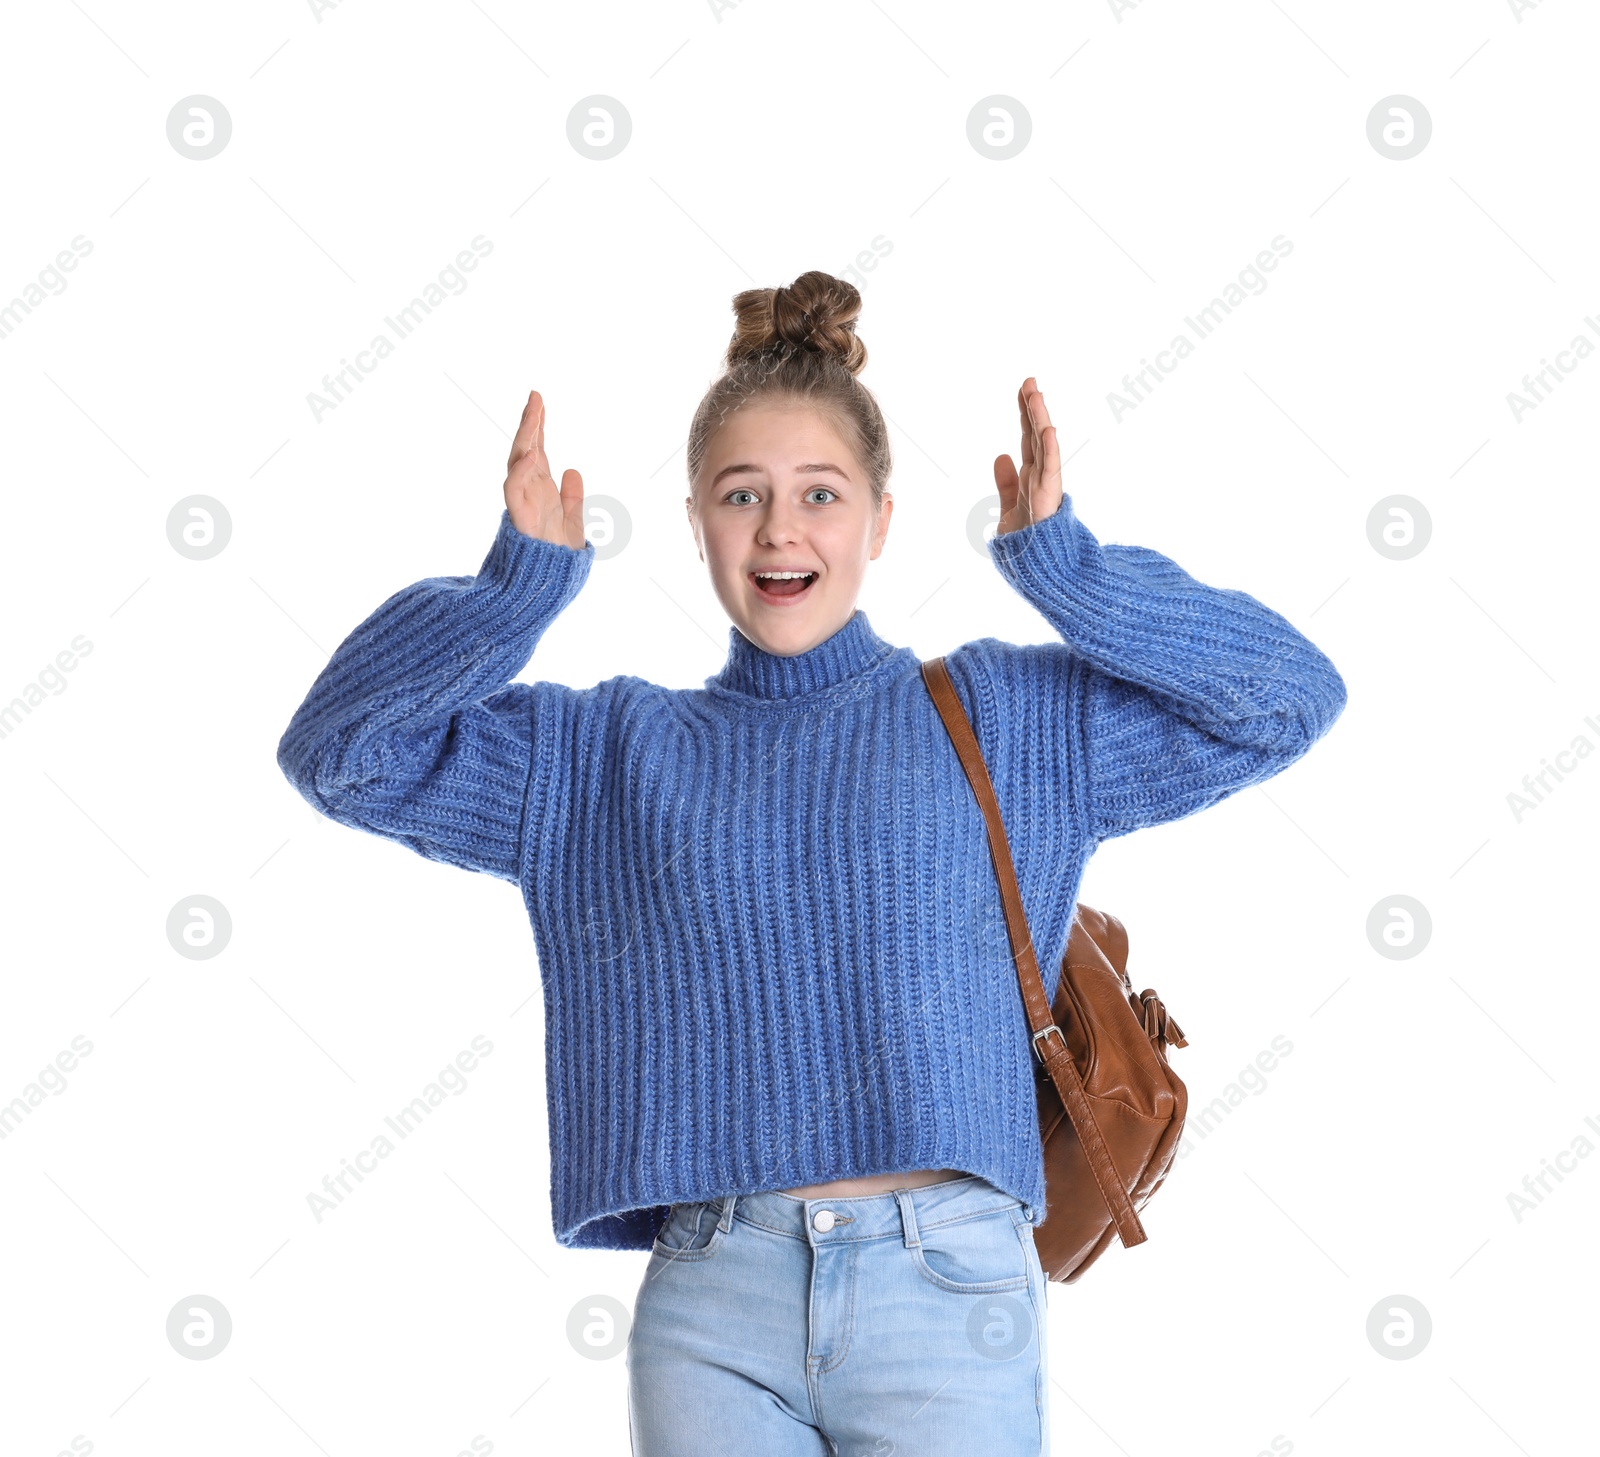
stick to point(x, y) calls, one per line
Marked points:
point(769, 933)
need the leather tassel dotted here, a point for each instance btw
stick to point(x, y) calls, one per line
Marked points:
point(1158, 1022)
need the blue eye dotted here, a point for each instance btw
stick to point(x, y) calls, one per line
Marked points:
point(733, 495)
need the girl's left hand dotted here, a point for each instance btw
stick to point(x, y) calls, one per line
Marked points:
point(1036, 493)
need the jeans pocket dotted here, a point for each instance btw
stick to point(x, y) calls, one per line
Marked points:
point(978, 1255)
point(691, 1232)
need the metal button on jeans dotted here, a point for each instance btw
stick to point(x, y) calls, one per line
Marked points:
point(823, 1220)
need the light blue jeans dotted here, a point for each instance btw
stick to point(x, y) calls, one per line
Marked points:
point(910, 1323)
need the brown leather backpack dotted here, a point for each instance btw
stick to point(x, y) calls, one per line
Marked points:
point(1111, 1110)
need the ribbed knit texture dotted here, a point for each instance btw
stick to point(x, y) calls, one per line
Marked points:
point(768, 927)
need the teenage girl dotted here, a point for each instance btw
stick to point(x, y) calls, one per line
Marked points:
point(784, 1047)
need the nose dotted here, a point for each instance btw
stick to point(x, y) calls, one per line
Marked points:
point(777, 526)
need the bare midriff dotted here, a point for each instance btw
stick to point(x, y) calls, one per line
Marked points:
point(873, 1184)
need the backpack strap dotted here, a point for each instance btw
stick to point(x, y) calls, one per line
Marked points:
point(1052, 1051)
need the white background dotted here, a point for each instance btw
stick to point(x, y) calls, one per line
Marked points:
point(1170, 144)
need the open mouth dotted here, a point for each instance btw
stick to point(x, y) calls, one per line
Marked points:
point(783, 587)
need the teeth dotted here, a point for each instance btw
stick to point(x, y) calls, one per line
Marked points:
point(785, 576)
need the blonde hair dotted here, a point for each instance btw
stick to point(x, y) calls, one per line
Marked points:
point(798, 344)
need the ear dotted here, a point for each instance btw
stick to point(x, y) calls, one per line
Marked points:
point(694, 531)
point(883, 526)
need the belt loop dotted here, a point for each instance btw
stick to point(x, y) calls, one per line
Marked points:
point(908, 1219)
point(726, 1222)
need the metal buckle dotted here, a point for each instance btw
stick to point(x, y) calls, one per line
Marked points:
point(1045, 1033)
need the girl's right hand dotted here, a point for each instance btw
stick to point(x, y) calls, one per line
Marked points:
point(537, 508)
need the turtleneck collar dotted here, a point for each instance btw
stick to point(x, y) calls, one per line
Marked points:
point(752, 671)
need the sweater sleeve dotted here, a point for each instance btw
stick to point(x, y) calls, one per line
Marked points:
point(1184, 693)
point(414, 731)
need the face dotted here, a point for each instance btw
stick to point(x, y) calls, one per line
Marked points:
point(780, 490)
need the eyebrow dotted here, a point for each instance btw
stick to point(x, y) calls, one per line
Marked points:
point(800, 470)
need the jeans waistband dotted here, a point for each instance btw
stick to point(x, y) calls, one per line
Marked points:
point(899, 1213)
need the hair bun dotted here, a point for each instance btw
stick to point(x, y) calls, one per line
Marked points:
point(816, 312)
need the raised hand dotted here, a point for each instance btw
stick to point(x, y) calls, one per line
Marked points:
point(537, 508)
point(1035, 494)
